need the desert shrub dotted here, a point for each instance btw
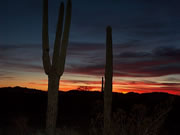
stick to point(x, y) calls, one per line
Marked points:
point(97, 125)
point(17, 126)
point(59, 131)
point(140, 120)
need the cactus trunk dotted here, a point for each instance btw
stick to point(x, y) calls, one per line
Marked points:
point(52, 108)
point(108, 82)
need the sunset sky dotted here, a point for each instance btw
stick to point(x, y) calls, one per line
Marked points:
point(146, 44)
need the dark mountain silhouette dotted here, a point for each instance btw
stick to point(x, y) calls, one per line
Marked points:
point(77, 108)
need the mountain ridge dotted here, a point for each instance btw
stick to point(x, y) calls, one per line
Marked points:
point(32, 90)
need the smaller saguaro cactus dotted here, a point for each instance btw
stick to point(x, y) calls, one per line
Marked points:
point(102, 85)
point(55, 69)
point(108, 82)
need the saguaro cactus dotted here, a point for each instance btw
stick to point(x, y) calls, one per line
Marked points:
point(108, 82)
point(55, 69)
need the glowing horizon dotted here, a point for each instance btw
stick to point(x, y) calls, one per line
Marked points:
point(92, 83)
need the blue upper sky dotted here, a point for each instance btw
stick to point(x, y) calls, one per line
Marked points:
point(131, 20)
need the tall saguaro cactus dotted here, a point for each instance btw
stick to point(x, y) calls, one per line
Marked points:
point(108, 82)
point(55, 69)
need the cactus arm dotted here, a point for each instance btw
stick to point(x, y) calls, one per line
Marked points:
point(45, 39)
point(65, 39)
point(57, 43)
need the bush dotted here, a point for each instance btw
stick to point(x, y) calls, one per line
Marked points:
point(140, 120)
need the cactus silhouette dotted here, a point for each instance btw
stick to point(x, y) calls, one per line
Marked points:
point(102, 85)
point(108, 82)
point(55, 69)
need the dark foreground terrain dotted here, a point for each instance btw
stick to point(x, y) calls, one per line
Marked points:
point(22, 109)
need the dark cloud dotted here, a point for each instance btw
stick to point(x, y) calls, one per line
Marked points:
point(81, 49)
point(97, 70)
point(129, 70)
point(159, 52)
point(23, 67)
point(134, 54)
point(168, 52)
point(20, 58)
point(20, 53)
point(147, 69)
point(89, 58)
point(156, 62)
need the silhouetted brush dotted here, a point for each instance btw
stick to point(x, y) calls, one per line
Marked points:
point(108, 82)
point(55, 69)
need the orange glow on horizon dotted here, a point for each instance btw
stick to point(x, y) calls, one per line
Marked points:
point(118, 86)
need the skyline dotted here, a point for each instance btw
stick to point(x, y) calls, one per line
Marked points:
point(145, 43)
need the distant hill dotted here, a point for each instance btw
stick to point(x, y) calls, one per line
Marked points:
point(75, 107)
